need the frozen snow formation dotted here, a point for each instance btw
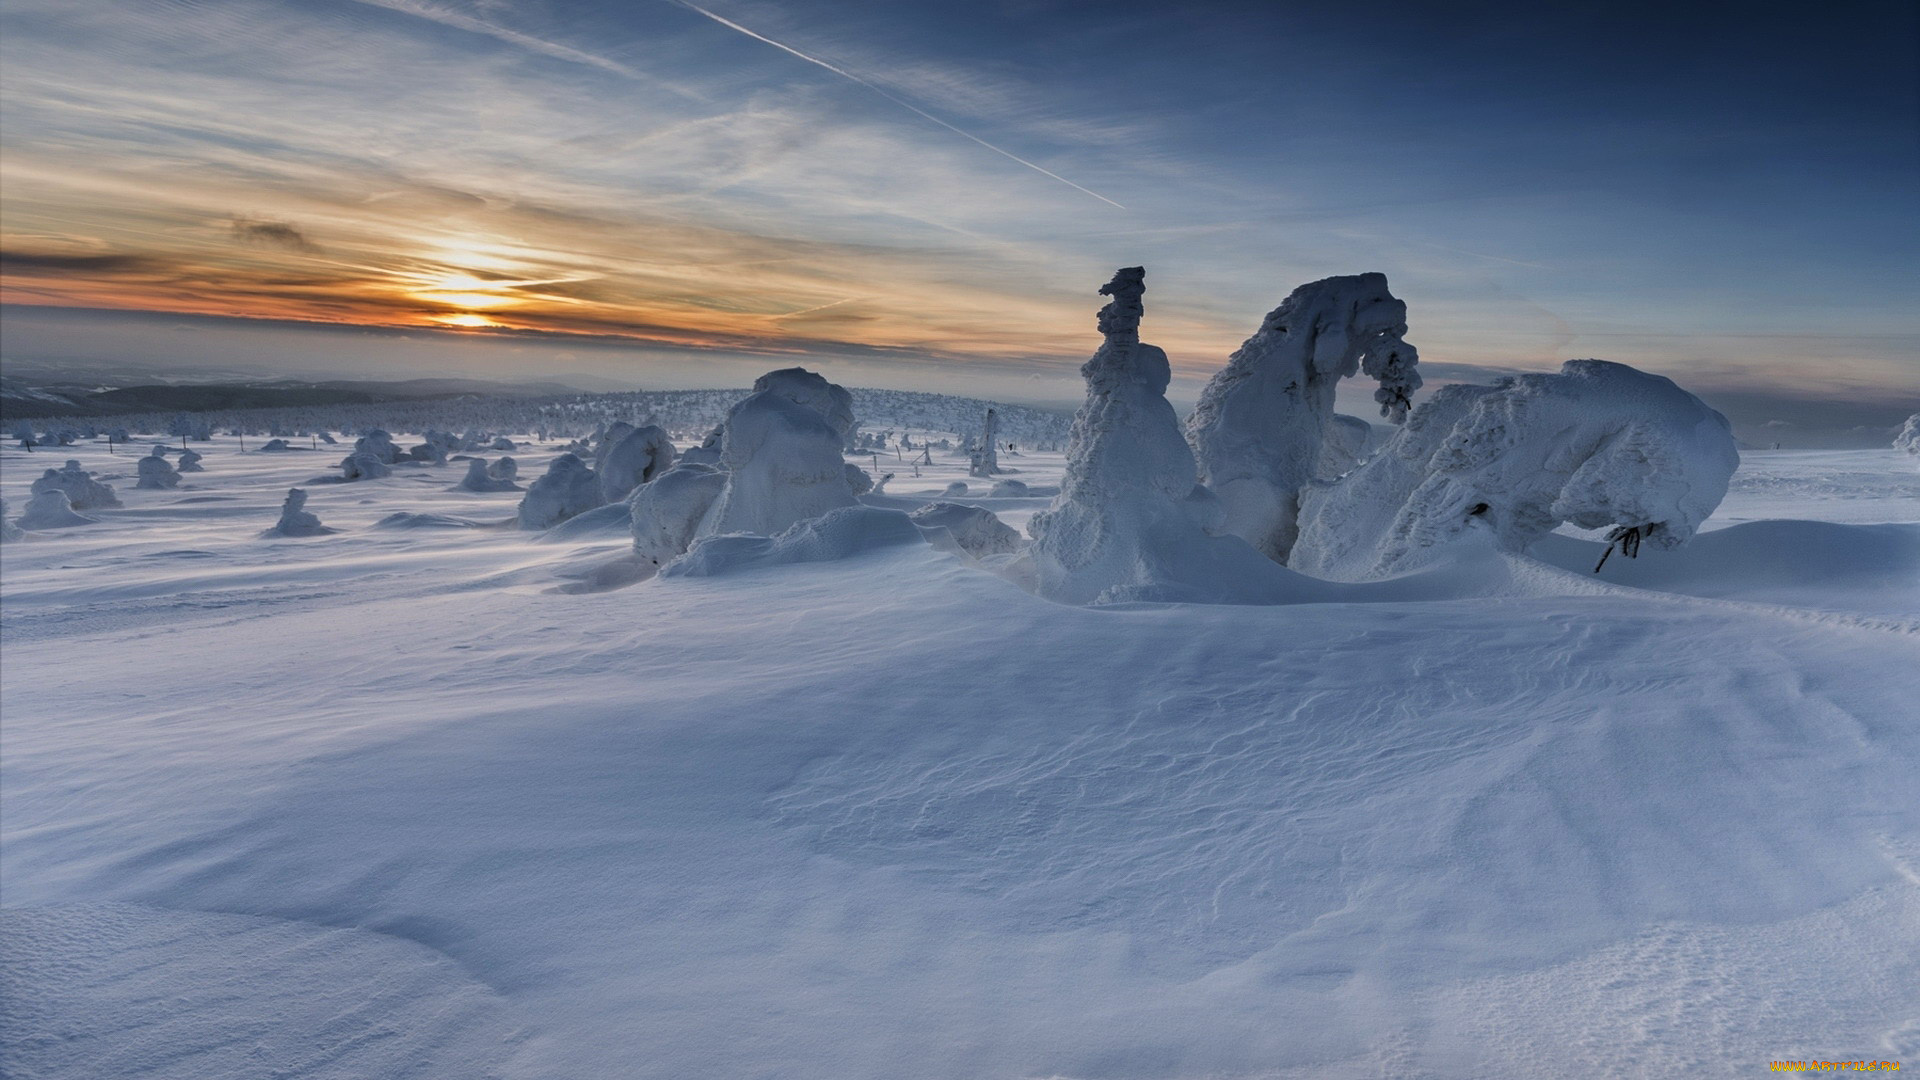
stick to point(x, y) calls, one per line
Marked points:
point(189, 462)
point(156, 473)
point(1010, 489)
point(1598, 445)
point(1264, 420)
point(50, 509)
point(859, 480)
point(363, 465)
point(480, 477)
point(296, 519)
point(958, 487)
point(782, 457)
point(803, 387)
point(274, 446)
point(83, 492)
point(504, 469)
point(667, 512)
point(8, 530)
point(838, 534)
point(1130, 523)
point(569, 488)
point(630, 458)
point(1909, 437)
point(975, 530)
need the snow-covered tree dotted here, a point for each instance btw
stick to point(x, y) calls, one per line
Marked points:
point(782, 458)
point(296, 519)
point(83, 492)
point(156, 473)
point(190, 462)
point(667, 513)
point(1599, 445)
point(985, 457)
point(568, 489)
point(480, 478)
point(1265, 419)
point(50, 509)
point(1909, 437)
point(363, 465)
point(632, 458)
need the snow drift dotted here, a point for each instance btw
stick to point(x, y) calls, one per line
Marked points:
point(974, 530)
point(1598, 445)
point(838, 534)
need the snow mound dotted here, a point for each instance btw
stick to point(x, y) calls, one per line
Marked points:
point(379, 445)
point(480, 477)
point(666, 514)
point(156, 474)
point(405, 520)
point(83, 492)
point(51, 509)
point(296, 519)
point(1909, 437)
point(569, 488)
point(101, 990)
point(975, 530)
point(274, 446)
point(838, 534)
point(1597, 445)
point(635, 458)
point(1265, 420)
point(783, 465)
point(1129, 523)
point(802, 387)
point(1011, 489)
point(958, 487)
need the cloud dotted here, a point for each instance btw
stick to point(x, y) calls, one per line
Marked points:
point(272, 234)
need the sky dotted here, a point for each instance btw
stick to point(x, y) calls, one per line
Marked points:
point(928, 195)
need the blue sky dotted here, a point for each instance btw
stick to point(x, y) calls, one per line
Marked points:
point(927, 194)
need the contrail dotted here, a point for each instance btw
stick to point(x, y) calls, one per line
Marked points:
point(910, 107)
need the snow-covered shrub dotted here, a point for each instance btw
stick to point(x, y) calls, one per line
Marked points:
point(1598, 445)
point(296, 519)
point(431, 452)
point(1264, 420)
point(480, 478)
point(975, 530)
point(274, 446)
point(1909, 437)
point(189, 462)
point(505, 468)
point(363, 465)
point(783, 463)
point(379, 445)
point(83, 492)
point(568, 488)
point(859, 481)
point(635, 457)
point(666, 513)
point(156, 473)
point(50, 509)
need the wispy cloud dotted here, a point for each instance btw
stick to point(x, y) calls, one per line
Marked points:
point(907, 105)
point(278, 234)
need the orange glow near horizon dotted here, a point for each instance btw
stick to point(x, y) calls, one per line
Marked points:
point(465, 320)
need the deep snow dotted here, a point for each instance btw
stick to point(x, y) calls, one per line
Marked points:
point(388, 803)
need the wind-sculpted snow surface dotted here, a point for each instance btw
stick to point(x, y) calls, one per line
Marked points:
point(296, 519)
point(1598, 445)
point(636, 457)
point(784, 465)
point(1130, 520)
point(1265, 420)
point(83, 492)
point(569, 488)
point(155, 472)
